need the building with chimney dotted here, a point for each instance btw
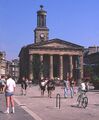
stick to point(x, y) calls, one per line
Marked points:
point(91, 60)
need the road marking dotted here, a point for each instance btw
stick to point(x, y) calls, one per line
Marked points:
point(34, 115)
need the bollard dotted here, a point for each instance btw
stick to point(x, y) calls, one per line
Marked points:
point(58, 100)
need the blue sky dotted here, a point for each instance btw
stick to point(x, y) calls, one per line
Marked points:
point(76, 21)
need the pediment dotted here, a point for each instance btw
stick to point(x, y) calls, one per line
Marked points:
point(57, 45)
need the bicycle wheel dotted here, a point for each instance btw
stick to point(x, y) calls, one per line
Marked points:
point(78, 100)
point(84, 102)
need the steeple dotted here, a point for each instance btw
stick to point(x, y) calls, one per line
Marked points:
point(41, 17)
point(41, 31)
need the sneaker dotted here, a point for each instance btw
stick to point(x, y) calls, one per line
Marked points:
point(6, 112)
point(13, 112)
point(65, 97)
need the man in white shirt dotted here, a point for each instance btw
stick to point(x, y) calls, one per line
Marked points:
point(83, 86)
point(9, 92)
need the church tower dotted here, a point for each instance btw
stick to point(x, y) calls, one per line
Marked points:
point(41, 32)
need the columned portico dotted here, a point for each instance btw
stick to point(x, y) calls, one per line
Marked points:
point(66, 66)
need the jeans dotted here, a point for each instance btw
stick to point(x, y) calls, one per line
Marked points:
point(65, 92)
point(71, 92)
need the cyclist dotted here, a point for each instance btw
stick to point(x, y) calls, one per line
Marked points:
point(82, 98)
point(83, 86)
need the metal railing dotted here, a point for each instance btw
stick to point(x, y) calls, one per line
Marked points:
point(58, 100)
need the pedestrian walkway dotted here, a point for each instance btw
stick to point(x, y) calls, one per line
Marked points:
point(20, 114)
point(44, 108)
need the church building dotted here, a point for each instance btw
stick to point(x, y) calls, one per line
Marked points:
point(47, 58)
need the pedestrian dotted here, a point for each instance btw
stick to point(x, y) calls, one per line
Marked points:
point(71, 87)
point(43, 86)
point(50, 87)
point(30, 83)
point(2, 84)
point(66, 87)
point(24, 84)
point(9, 92)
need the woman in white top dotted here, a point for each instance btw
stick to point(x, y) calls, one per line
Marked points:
point(9, 91)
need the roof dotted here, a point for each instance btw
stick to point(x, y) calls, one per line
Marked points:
point(54, 44)
point(56, 40)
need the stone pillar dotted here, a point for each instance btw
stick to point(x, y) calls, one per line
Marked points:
point(61, 67)
point(81, 66)
point(31, 68)
point(76, 64)
point(71, 66)
point(41, 60)
point(51, 66)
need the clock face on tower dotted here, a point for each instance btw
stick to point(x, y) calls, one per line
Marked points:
point(42, 35)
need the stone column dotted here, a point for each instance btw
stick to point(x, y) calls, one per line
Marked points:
point(71, 66)
point(81, 66)
point(76, 64)
point(31, 68)
point(61, 67)
point(41, 60)
point(51, 66)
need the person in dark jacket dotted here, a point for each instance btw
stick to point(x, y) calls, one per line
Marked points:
point(24, 86)
point(72, 87)
point(50, 87)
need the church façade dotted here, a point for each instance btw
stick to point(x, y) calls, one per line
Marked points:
point(53, 58)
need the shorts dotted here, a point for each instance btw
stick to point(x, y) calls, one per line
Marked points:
point(7, 94)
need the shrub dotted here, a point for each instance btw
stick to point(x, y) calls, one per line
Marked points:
point(95, 82)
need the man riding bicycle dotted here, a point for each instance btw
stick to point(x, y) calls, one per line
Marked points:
point(82, 98)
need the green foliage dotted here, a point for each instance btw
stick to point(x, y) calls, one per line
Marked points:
point(95, 79)
point(88, 72)
point(95, 82)
point(89, 69)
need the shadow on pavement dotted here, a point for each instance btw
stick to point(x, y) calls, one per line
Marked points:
point(1, 111)
point(76, 106)
point(93, 90)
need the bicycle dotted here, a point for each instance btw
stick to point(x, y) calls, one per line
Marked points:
point(82, 99)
